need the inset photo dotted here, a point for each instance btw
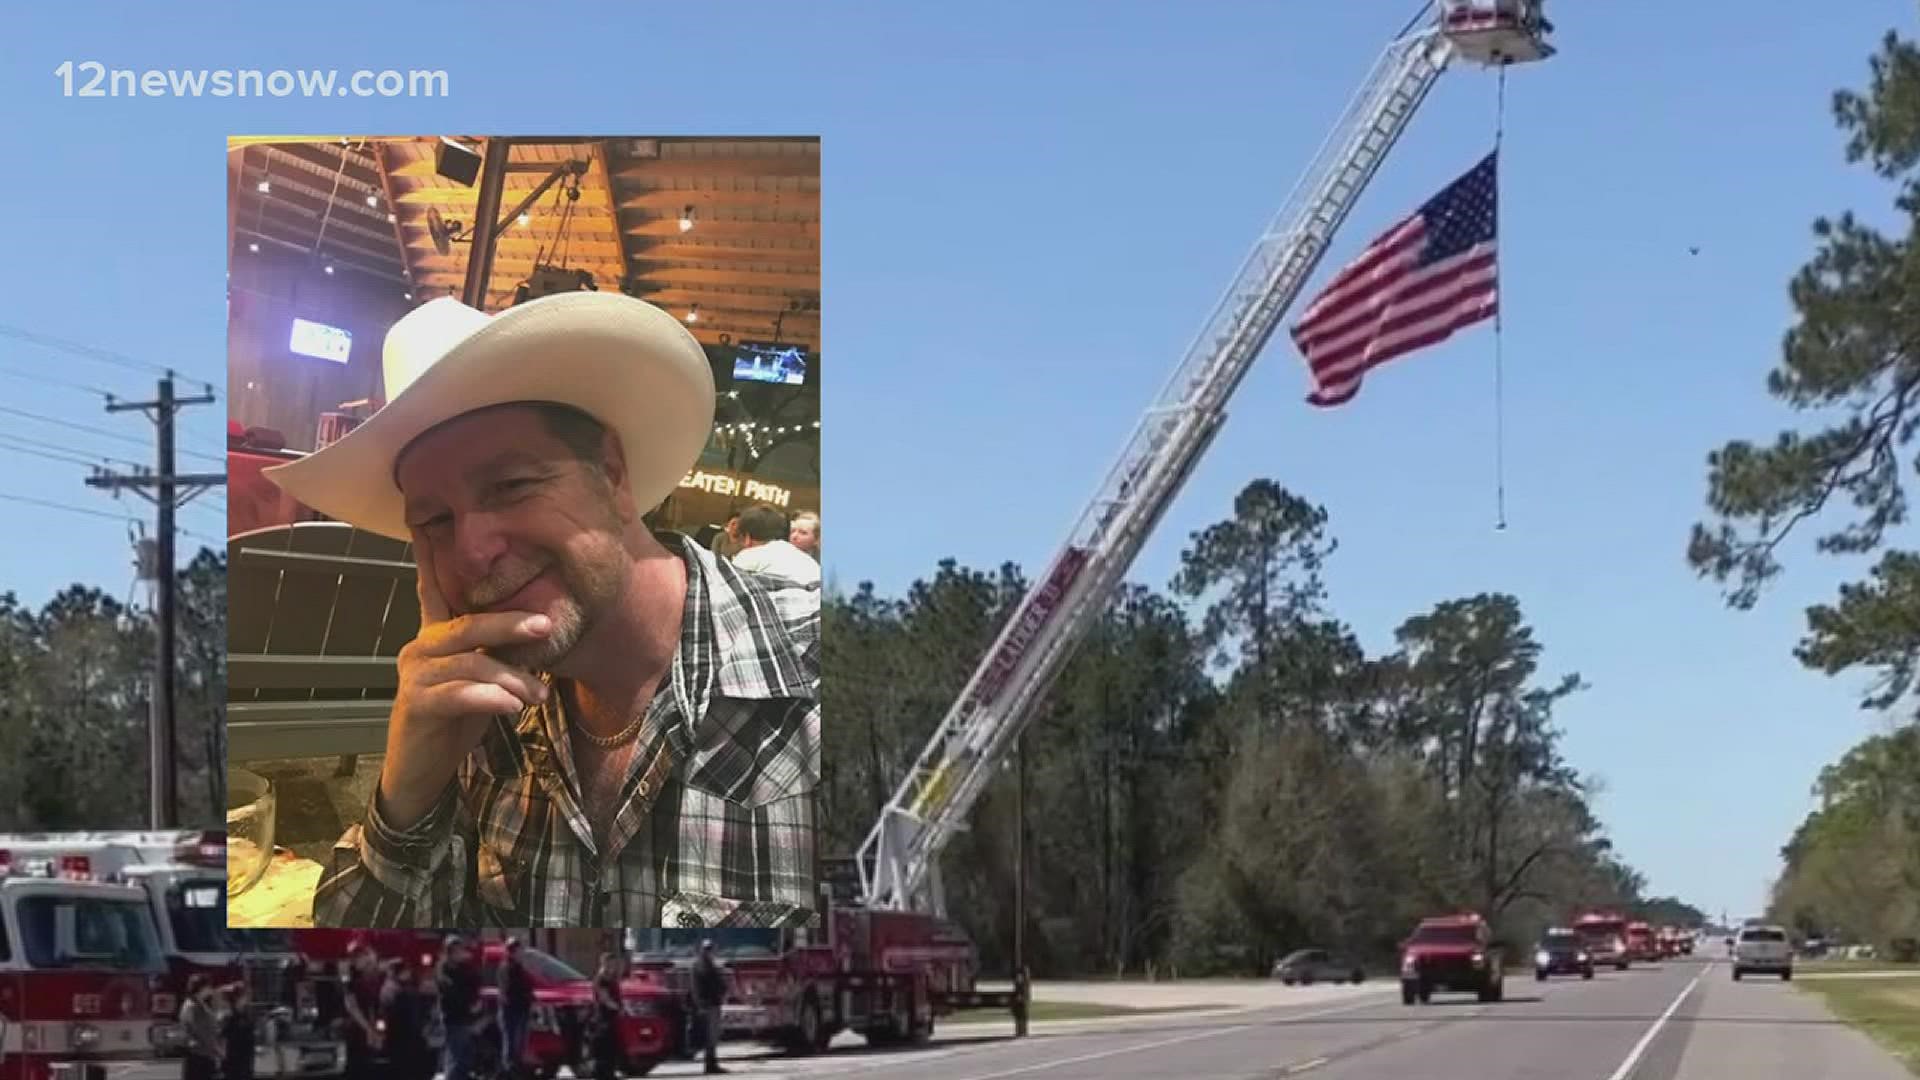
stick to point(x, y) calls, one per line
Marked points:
point(524, 531)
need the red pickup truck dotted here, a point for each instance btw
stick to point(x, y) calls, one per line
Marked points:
point(562, 1003)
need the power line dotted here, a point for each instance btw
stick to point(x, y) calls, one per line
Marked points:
point(89, 429)
point(48, 380)
point(104, 356)
point(69, 507)
point(73, 454)
point(50, 504)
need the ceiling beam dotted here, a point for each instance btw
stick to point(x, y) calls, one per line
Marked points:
point(726, 230)
point(697, 275)
point(251, 234)
point(761, 304)
point(612, 206)
point(691, 251)
point(670, 200)
point(705, 166)
point(393, 210)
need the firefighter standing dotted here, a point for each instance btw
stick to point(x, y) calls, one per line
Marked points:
point(361, 1001)
point(236, 1034)
point(201, 1030)
point(607, 1050)
point(459, 1007)
point(404, 1011)
point(516, 1009)
point(709, 994)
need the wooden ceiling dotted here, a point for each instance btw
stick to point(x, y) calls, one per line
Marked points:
point(749, 261)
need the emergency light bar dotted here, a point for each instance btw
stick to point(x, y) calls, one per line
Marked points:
point(208, 849)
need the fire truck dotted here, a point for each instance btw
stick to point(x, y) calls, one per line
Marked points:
point(884, 975)
point(182, 876)
point(78, 976)
point(883, 959)
point(1606, 936)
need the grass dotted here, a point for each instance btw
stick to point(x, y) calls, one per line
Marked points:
point(1839, 966)
point(1059, 1010)
point(1886, 1009)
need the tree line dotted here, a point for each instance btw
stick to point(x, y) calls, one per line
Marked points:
point(1222, 773)
point(1851, 365)
point(76, 683)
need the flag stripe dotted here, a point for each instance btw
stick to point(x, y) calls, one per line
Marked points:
point(1340, 387)
point(1364, 272)
point(1415, 285)
point(1408, 285)
point(1338, 347)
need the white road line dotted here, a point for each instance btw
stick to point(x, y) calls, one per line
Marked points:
point(1305, 1065)
point(1633, 1058)
point(1189, 1037)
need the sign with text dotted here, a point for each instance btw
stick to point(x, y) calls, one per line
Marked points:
point(719, 483)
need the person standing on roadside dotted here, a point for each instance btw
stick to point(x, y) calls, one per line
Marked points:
point(710, 994)
point(403, 1012)
point(516, 1009)
point(237, 1034)
point(360, 998)
point(607, 1048)
point(202, 1031)
point(459, 1007)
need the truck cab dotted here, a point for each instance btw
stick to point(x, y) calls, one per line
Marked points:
point(79, 963)
point(1640, 943)
point(182, 876)
point(563, 1005)
point(1451, 952)
point(1606, 937)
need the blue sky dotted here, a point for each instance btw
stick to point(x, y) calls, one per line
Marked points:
point(1029, 209)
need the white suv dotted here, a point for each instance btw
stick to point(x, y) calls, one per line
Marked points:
point(1763, 949)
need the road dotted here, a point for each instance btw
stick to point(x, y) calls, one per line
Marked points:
point(1684, 1019)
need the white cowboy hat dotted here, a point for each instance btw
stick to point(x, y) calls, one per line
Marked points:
point(622, 361)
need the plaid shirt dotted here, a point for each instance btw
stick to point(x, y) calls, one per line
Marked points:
point(716, 826)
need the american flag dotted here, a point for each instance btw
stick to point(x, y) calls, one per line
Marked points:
point(1428, 276)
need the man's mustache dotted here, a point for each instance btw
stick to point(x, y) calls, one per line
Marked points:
point(501, 584)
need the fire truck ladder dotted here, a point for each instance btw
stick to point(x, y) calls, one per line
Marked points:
point(897, 862)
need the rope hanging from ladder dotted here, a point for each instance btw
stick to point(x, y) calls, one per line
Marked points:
point(1499, 374)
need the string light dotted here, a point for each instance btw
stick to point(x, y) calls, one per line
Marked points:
point(768, 429)
point(750, 432)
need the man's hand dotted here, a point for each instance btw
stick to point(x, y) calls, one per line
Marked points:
point(449, 693)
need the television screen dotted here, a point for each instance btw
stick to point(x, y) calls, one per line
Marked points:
point(321, 342)
point(769, 363)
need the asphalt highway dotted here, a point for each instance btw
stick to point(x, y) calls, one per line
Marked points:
point(1683, 1019)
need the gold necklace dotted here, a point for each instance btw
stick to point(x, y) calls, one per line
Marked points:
point(618, 739)
point(605, 742)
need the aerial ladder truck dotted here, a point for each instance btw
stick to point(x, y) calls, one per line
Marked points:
point(887, 960)
point(898, 862)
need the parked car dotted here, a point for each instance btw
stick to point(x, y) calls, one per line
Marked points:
point(1307, 966)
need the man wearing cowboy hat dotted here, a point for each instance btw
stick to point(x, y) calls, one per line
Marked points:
point(596, 725)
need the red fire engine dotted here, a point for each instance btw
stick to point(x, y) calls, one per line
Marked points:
point(182, 876)
point(77, 982)
point(1605, 933)
point(885, 975)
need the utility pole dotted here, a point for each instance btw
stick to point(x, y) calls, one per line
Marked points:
point(1020, 976)
point(170, 491)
